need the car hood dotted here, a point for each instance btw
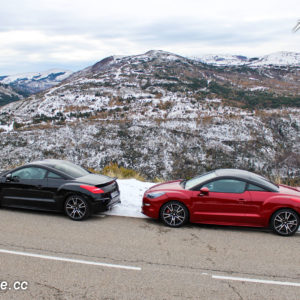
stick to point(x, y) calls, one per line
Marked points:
point(170, 185)
point(94, 179)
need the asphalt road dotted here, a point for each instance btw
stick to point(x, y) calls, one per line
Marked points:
point(63, 259)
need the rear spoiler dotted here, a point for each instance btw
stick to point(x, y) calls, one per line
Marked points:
point(114, 179)
point(291, 187)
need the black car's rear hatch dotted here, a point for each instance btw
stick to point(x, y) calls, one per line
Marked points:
point(93, 179)
point(109, 185)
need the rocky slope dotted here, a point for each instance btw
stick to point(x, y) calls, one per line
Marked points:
point(163, 115)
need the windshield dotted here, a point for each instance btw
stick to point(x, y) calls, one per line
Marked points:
point(70, 169)
point(198, 180)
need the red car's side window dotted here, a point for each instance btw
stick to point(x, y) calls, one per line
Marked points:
point(226, 186)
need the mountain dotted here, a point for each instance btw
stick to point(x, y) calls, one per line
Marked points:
point(8, 94)
point(163, 115)
point(31, 83)
point(223, 60)
point(282, 59)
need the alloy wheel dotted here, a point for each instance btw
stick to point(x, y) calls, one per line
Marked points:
point(285, 222)
point(76, 208)
point(174, 214)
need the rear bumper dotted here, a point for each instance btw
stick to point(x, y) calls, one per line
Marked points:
point(103, 205)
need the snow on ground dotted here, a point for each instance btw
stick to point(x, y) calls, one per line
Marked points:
point(131, 191)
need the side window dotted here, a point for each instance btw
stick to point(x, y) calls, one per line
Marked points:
point(30, 173)
point(52, 175)
point(226, 186)
point(252, 187)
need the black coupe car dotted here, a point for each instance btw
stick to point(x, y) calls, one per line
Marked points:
point(58, 185)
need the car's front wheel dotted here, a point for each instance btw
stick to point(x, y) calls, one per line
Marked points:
point(285, 222)
point(174, 214)
point(77, 208)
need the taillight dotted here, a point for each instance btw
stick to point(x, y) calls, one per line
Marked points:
point(92, 189)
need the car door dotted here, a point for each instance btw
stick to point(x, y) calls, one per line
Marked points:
point(225, 203)
point(54, 181)
point(27, 187)
point(254, 208)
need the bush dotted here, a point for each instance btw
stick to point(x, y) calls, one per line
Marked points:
point(113, 170)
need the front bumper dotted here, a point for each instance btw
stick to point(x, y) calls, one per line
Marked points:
point(150, 208)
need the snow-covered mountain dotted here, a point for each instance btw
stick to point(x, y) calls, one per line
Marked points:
point(30, 83)
point(284, 58)
point(163, 115)
point(223, 60)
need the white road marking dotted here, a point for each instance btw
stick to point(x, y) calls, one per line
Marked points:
point(256, 280)
point(78, 261)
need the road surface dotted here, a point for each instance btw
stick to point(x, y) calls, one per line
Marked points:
point(109, 257)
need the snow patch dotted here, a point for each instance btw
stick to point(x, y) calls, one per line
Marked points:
point(131, 192)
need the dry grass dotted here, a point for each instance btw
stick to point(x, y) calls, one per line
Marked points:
point(288, 181)
point(206, 120)
point(113, 170)
point(165, 105)
point(75, 108)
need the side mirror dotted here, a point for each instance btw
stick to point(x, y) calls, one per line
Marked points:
point(8, 177)
point(204, 191)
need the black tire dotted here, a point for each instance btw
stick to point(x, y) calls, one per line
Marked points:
point(285, 222)
point(174, 214)
point(77, 208)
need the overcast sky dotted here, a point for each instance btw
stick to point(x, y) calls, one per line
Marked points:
point(36, 35)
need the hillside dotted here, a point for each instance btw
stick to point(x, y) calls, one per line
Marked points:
point(8, 94)
point(164, 115)
point(31, 83)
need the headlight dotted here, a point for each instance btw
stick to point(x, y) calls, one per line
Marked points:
point(155, 195)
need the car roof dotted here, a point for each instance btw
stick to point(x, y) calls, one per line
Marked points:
point(236, 173)
point(46, 162)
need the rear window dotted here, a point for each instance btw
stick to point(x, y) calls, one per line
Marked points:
point(70, 169)
point(265, 182)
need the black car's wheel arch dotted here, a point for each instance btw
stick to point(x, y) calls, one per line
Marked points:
point(175, 201)
point(282, 209)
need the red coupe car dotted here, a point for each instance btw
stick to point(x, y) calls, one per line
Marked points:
point(225, 197)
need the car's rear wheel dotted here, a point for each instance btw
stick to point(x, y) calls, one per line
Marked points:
point(174, 214)
point(285, 222)
point(77, 208)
